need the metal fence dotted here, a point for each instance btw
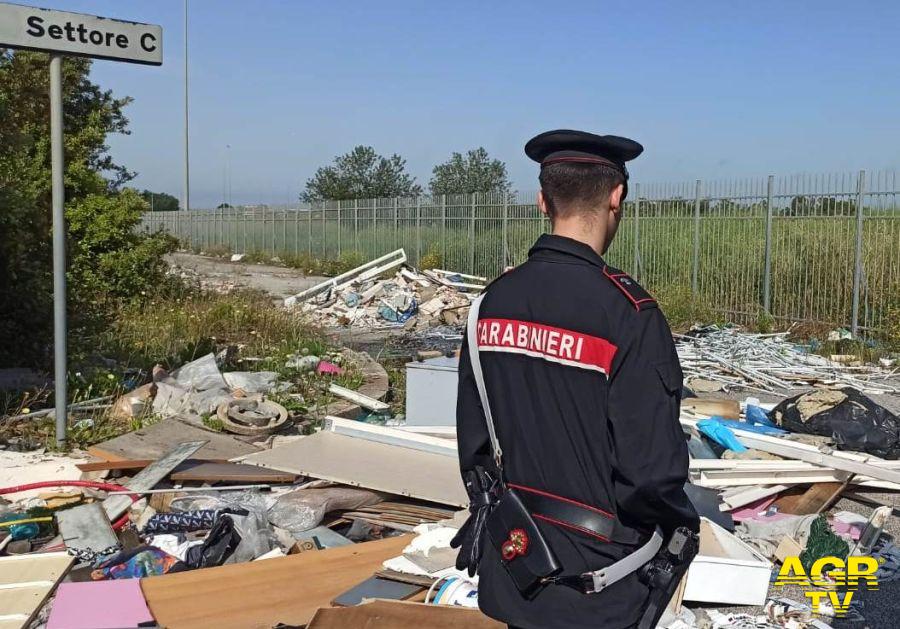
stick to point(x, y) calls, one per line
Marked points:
point(818, 248)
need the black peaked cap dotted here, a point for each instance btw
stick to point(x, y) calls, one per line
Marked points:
point(565, 145)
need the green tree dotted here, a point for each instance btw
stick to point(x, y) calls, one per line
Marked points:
point(361, 174)
point(160, 201)
point(474, 172)
point(90, 114)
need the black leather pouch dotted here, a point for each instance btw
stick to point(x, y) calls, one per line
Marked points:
point(523, 550)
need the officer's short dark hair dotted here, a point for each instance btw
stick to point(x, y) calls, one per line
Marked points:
point(571, 187)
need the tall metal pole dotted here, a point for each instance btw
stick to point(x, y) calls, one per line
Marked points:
point(858, 263)
point(187, 161)
point(637, 231)
point(767, 273)
point(696, 264)
point(59, 246)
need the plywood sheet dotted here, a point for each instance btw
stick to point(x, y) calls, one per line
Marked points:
point(402, 615)
point(156, 440)
point(233, 473)
point(379, 466)
point(25, 583)
point(262, 594)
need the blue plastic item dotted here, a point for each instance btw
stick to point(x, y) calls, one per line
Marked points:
point(720, 433)
point(756, 415)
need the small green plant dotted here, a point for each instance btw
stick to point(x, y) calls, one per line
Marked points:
point(765, 323)
point(431, 260)
point(212, 422)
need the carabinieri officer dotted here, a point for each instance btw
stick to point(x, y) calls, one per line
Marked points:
point(584, 385)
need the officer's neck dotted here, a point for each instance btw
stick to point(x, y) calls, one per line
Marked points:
point(591, 232)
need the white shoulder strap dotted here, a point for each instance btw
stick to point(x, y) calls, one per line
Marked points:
point(475, 359)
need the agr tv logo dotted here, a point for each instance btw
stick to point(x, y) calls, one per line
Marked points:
point(829, 572)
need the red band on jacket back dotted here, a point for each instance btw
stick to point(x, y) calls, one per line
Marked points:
point(567, 347)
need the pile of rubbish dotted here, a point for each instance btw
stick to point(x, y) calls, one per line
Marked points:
point(727, 358)
point(365, 298)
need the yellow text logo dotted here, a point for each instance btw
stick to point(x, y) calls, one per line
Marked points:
point(830, 572)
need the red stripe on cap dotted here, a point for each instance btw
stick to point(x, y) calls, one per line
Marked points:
point(567, 347)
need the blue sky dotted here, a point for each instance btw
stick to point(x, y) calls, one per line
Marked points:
point(712, 89)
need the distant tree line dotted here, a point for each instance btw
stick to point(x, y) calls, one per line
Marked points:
point(364, 174)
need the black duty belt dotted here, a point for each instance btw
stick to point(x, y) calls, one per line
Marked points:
point(578, 516)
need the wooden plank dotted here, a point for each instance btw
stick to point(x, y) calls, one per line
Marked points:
point(402, 615)
point(136, 464)
point(154, 441)
point(285, 590)
point(25, 583)
point(810, 501)
point(378, 466)
point(232, 472)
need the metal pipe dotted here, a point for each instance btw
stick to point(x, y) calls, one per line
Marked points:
point(857, 265)
point(767, 274)
point(57, 165)
point(187, 163)
point(696, 265)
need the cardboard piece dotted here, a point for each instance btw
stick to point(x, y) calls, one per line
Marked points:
point(99, 605)
point(25, 583)
point(402, 615)
point(286, 590)
point(362, 463)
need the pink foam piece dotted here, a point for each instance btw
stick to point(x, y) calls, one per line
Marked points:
point(99, 605)
point(327, 367)
point(752, 510)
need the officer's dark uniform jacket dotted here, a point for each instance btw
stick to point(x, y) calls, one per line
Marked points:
point(584, 384)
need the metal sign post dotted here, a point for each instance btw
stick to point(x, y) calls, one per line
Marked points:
point(61, 33)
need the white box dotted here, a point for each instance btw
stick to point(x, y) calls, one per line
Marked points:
point(726, 570)
point(431, 392)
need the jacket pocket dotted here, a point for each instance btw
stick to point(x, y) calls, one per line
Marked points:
point(670, 374)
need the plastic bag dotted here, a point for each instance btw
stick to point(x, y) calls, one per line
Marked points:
point(851, 419)
point(720, 433)
point(304, 509)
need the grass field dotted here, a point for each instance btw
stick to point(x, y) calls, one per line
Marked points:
point(812, 257)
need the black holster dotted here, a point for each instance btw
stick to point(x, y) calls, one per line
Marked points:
point(664, 573)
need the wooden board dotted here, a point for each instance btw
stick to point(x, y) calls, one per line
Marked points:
point(232, 473)
point(135, 464)
point(379, 466)
point(402, 615)
point(25, 583)
point(262, 594)
point(812, 500)
point(156, 440)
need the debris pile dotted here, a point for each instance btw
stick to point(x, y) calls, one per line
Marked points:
point(363, 297)
point(727, 358)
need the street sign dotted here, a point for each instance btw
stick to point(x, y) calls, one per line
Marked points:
point(79, 34)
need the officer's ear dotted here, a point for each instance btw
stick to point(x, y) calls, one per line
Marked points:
point(615, 198)
point(542, 203)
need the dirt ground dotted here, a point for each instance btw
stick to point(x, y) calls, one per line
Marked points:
point(280, 282)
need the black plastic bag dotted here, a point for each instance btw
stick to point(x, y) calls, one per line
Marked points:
point(218, 546)
point(851, 419)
